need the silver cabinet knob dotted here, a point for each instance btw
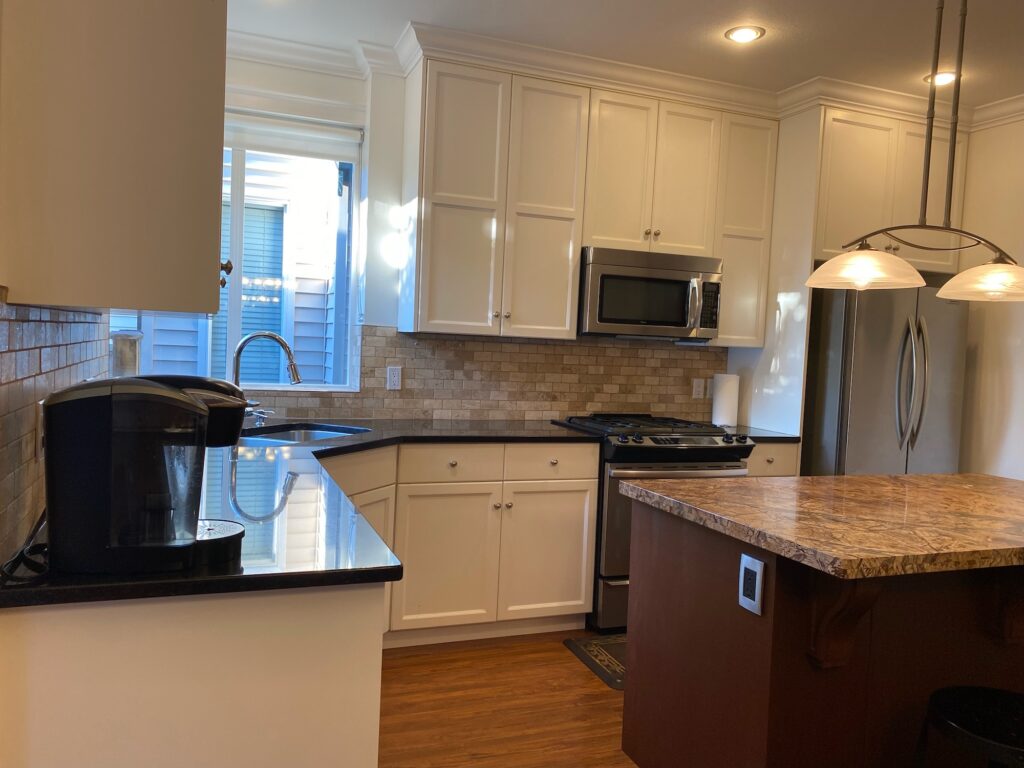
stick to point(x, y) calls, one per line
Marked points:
point(896, 247)
point(226, 267)
point(657, 233)
point(453, 463)
point(508, 505)
point(770, 459)
point(508, 315)
point(222, 282)
point(647, 232)
point(496, 314)
point(554, 462)
point(497, 505)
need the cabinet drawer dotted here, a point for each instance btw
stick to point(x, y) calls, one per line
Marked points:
point(364, 470)
point(450, 462)
point(775, 460)
point(551, 461)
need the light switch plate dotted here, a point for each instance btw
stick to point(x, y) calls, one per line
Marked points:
point(751, 588)
point(394, 380)
point(698, 389)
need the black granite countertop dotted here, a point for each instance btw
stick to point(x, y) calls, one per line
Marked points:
point(300, 531)
point(383, 432)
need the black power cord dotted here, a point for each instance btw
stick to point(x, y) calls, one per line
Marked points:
point(32, 557)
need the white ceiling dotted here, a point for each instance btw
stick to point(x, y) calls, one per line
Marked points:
point(885, 43)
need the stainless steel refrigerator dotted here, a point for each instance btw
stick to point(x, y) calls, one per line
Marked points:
point(885, 383)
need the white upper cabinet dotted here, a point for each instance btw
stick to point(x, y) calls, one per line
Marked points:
point(907, 203)
point(858, 171)
point(652, 175)
point(871, 178)
point(744, 227)
point(544, 216)
point(111, 140)
point(465, 175)
point(685, 180)
point(620, 171)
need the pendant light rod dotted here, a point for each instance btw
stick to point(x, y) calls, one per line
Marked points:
point(930, 125)
point(963, 233)
point(955, 118)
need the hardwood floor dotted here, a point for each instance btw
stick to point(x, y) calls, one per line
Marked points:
point(522, 702)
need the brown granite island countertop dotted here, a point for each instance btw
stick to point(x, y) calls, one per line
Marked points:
point(856, 527)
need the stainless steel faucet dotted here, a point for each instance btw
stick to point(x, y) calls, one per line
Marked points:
point(293, 369)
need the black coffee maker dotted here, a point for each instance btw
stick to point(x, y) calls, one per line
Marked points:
point(124, 469)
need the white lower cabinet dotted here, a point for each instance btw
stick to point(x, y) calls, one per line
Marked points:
point(547, 544)
point(447, 536)
point(774, 460)
point(378, 507)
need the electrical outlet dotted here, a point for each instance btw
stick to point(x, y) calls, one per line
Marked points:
point(751, 583)
point(394, 380)
point(698, 389)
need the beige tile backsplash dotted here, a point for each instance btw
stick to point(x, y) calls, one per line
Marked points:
point(41, 350)
point(469, 377)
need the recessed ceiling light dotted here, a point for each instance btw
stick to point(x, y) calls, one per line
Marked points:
point(744, 34)
point(941, 78)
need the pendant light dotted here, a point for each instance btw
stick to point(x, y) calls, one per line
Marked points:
point(867, 268)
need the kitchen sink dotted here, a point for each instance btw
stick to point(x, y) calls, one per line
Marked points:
point(294, 434)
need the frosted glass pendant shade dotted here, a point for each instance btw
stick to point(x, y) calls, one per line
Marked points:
point(995, 281)
point(864, 269)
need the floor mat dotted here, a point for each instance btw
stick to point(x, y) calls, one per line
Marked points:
point(605, 655)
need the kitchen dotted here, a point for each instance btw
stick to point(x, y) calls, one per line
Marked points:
point(478, 178)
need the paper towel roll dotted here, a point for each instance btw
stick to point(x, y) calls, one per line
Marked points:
point(725, 398)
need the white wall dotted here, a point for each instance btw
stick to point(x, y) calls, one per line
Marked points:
point(772, 377)
point(994, 400)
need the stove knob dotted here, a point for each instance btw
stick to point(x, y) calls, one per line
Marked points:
point(623, 438)
point(741, 438)
point(638, 438)
point(727, 439)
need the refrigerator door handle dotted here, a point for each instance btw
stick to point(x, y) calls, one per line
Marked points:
point(909, 337)
point(922, 330)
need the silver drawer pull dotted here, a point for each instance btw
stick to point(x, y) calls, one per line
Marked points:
point(770, 459)
point(497, 505)
point(453, 463)
point(554, 462)
point(508, 505)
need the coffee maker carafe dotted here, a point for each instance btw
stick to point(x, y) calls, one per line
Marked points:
point(124, 471)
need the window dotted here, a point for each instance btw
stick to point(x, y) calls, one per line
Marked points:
point(286, 223)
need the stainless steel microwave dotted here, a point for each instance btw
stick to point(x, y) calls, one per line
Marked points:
point(637, 293)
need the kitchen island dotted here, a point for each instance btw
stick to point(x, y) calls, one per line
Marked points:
point(876, 591)
point(275, 660)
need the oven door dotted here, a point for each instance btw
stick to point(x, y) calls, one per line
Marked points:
point(613, 556)
point(640, 301)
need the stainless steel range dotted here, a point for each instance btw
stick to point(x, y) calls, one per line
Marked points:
point(641, 446)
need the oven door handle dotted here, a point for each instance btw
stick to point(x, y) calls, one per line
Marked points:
point(672, 474)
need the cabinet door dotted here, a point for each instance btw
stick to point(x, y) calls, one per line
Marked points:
point(111, 142)
point(620, 171)
point(858, 169)
point(447, 536)
point(907, 205)
point(774, 460)
point(685, 180)
point(745, 194)
point(544, 218)
point(547, 548)
point(465, 174)
point(378, 507)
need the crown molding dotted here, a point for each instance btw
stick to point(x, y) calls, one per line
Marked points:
point(408, 49)
point(378, 59)
point(261, 49)
point(462, 47)
point(825, 91)
point(1000, 112)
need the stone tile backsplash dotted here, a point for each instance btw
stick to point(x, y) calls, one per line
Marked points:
point(41, 350)
point(469, 377)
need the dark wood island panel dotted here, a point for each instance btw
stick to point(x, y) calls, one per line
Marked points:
point(834, 672)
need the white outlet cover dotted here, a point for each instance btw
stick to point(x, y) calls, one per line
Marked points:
point(394, 379)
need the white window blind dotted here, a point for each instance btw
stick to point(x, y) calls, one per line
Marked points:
point(244, 129)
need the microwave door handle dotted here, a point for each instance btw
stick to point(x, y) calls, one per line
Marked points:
point(695, 302)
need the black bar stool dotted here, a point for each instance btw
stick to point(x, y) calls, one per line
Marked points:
point(984, 722)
